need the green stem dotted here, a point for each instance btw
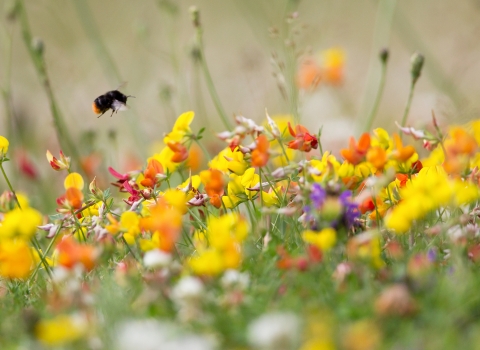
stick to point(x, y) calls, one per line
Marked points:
point(202, 147)
point(38, 248)
point(36, 54)
point(9, 184)
point(129, 249)
point(409, 103)
point(378, 98)
point(208, 78)
point(7, 89)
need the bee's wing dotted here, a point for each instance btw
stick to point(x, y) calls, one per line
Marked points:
point(118, 106)
point(122, 85)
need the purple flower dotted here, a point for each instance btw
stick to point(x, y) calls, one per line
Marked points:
point(318, 195)
point(351, 211)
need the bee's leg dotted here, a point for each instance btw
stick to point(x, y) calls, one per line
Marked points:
point(101, 115)
point(113, 111)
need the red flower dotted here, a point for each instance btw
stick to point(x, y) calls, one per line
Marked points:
point(304, 141)
point(134, 194)
point(121, 177)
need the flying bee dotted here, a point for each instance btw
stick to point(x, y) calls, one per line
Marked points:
point(114, 100)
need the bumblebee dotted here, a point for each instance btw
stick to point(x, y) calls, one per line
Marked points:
point(114, 100)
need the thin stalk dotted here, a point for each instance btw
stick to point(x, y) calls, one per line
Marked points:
point(7, 88)
point(204, 150)
point(129, 249)
point(381, 37)
point(9, 185)
point(378, 97)
point(36, 54)
point(409, 103)
point(199, 55)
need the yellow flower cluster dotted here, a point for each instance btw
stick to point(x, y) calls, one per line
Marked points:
point(429, 190)
point(219, 245)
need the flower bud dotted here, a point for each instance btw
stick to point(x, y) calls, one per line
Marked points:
point(416, 61)
point(97, 193)
point(195, 16)
point(384, 54)
point(58, 164)
point(3, 146)
point(38, 46)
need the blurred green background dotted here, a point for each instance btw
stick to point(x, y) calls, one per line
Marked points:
point(91, 47)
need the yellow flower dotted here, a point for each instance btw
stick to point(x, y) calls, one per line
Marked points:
point(436, 157)
point(218, 247)
point(177, 199)
point(181, 128)
point(3, 145)
point(229, 161)
point(464, 192)
point(165, 158)
point(362, 335)
point(20, 223)
point(427, 191)
point(60, 330)
point(226, 227)
point(270, 198)
point(16, 259)
point(193, 181)
point(327, 167)
point(324, 239)
point(129, 222)
point(74, 180)
point(208, 262)
point(237, 188)
point(366, 246)
point(382, 139)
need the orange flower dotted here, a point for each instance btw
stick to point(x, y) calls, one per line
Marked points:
point(402, 178)
point(154, 167)
point(460, 142)
point(71, 253)
point(402, 154)
point(195, 158)
point(304, 141)
point(165, 223)
point(74, 197)
point(214, 186)
point(356, 152)
point(334, 62)
point(260, 154)
point(367, 205)
point(309, 74)
point(180, 152)
point(459, 148)
point(377, 156)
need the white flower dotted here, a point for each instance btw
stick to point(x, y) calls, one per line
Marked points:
point(155, 258)
point(274, 331)
point(187, 289)
point(233, 278)
point(155, 335)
